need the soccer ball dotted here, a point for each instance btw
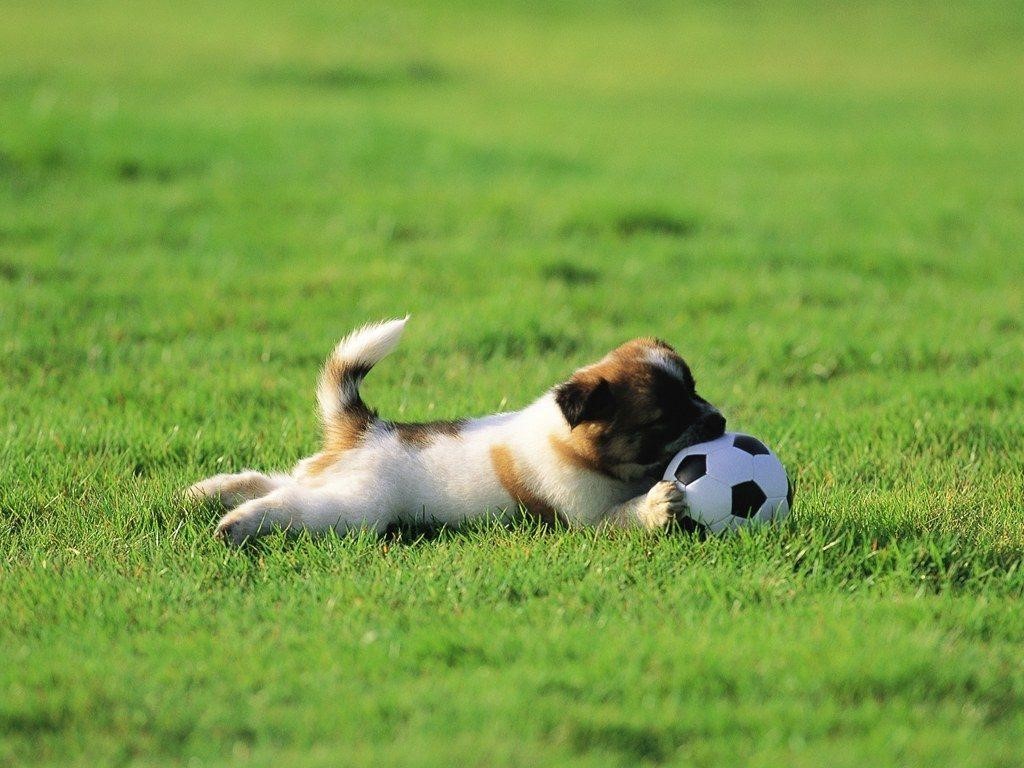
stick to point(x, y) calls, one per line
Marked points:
point(731, 482)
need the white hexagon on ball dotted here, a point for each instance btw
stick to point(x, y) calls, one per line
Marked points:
point(710, 502)
point(773, 510)
point(730, 466)
point(770, 476)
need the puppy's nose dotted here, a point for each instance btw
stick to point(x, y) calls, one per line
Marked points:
point(715, 422)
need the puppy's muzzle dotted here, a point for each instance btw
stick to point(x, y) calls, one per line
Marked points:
point(710, 426)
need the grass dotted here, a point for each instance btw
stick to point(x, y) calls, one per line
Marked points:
point(822, 207)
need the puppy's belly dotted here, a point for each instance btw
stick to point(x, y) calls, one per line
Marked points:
point(450, 492)
point(455, 476)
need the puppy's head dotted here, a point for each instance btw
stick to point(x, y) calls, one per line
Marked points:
point(629, 413)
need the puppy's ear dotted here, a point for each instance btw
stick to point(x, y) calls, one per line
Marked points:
point(582, 401)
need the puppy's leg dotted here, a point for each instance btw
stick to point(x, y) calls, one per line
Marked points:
point(232, 490)
point(652, 510)
point(296, 508)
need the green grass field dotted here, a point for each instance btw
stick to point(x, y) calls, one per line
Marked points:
point(821, 207)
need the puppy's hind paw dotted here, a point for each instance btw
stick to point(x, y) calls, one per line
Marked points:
point(232, 490)
point(201, 492)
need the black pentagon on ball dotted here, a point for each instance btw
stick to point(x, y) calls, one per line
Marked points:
point(692, 468)
point(747, 498)
point(751, 445)
point(689, 525)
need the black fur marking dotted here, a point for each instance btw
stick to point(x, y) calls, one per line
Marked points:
point(582, 402)
point(358, 371)
point(425, 433)
point(675, 400)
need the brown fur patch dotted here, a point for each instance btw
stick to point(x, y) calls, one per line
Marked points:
point(321, 462)
point(505, 468)
point(421, 435)
point(341, 435)
point(248, 486)
point(577, 449)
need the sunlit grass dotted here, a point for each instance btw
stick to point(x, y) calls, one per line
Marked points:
point(822, 208)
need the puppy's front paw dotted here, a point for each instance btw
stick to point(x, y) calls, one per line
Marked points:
point(664, 503)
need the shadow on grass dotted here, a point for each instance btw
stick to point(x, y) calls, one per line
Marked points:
point(350, 76)
point(633, 224)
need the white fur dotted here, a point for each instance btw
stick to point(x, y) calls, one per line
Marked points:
point(385, 480)
point(656, 356)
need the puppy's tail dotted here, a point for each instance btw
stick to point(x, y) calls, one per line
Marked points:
point(347, 366)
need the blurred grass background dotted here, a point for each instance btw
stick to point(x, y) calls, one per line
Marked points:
point(820, 205)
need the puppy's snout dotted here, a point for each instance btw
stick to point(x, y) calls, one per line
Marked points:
point(713, 424)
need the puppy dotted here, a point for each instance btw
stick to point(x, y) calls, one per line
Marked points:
point(589, 452)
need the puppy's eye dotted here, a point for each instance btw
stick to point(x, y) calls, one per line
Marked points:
point(650, 426)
